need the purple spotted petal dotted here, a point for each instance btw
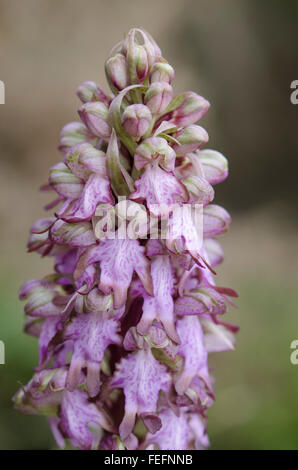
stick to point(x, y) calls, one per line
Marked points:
point(79, 234)
point(91, 334)
point(141, 377)
point(96, 190)
point(193, 350)
point(160, 189)
point(118, 260)
point(199, 433)
point(81, 421)
point(161, 305)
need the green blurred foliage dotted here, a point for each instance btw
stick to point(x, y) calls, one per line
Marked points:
point(256, 392)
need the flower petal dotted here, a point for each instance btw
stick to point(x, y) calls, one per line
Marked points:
point(160, 189)
point(141, 377)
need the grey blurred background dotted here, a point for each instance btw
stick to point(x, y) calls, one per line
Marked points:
point(240, 55)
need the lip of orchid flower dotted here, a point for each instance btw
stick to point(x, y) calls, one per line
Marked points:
point(193, 350)
point(96, 191)
point(126, 318)
point(91, 335)
point(82, 421)
point(161, 305)
point(141, 377)
point(119, 259)
point(174, 433)
point(161, 190)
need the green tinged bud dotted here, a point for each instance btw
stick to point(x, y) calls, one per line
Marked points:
point(117, 72)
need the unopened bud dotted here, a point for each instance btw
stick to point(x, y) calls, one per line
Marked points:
point(117, 72)
point(190, 138)
point(136, 120)
point(158, 97)
point(95, 117)
point(199, 189)
point(162, 72)
point(216, 220)
point(84, 158)
point(72, 134)
point(140, 57)
point(65, 183)
point(90, 91)
point(188, 108)
point(215, 165)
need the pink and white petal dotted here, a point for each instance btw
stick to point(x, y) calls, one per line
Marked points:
point(193, 350)
point(160, 189)
point(141, 377)
point(174, 433)
point(96, 190)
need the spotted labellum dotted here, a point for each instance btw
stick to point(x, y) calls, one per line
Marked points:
point(128, 318)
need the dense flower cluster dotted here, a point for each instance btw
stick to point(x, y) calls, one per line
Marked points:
point(125, 324)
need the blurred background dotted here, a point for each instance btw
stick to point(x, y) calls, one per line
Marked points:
point(242, 56)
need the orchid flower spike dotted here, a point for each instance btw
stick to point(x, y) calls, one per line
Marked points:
point(128, 318)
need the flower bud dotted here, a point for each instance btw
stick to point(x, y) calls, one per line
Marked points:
point(216, 220)
point(90, 91)
point(188, 108)
point(190, 138)
point(40, 297)
point(158, 97)
point(117, 72)
point(140, 57)
point(138, 64)
point(72, 134)
point(215, 165)
point(65, 183)
point(136, 120)
point(199, 189)
point(162, 72)
point(95, 117)
point(79, 234)
point(153, 148)
point(84, 158)
point(97, 301)
point(214, 251)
